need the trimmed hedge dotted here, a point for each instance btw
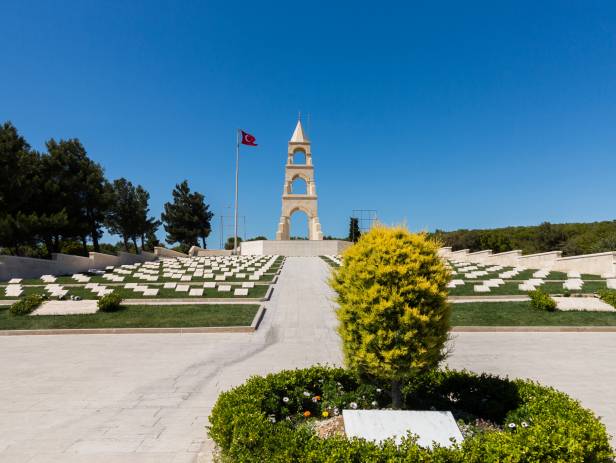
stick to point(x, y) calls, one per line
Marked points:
point(110, 302)
point(269, 419)
point(26, 305)
point(608, 296)
point(542, 300)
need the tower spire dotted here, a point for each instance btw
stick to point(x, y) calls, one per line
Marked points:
point(298, 134)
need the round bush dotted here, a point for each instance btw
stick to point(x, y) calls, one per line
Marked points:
point(26, 305)
point(110, 302)
point(393, 311)
point(271, 419)
point(542, 300)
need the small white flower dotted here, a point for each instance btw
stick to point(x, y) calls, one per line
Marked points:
point(374, 403)
point(353, 405)
point(511, 425)
point(285, 400)
point(524, 424)
point(379, 390)
point(336, 412)
point(306, 394)
point(272, 418)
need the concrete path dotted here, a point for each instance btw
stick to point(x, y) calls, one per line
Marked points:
point(145, 398)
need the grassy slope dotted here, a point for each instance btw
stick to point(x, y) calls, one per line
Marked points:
point(523, 314)
point(163, 293)
point(165, 316)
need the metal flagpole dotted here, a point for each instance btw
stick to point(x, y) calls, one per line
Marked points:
point(237, 171)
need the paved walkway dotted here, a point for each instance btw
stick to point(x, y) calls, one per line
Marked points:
point(145, 398)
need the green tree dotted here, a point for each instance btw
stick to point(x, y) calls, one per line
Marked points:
point(231, 242)
point(354, 232)
point(187, 219)
point(24, 217)
point(128, 214)
point(75, 183)
point(393, 311)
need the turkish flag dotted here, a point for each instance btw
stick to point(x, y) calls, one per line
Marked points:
point(248, 139)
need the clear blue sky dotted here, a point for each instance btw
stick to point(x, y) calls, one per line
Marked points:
point(443, 114)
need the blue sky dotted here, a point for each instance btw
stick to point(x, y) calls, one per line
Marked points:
point(441, 114)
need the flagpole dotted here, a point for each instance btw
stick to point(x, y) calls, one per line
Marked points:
point(237, 171)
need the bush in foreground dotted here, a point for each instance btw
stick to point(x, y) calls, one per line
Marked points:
point(271, 419)
point(26, 305)
point(110, 302)
point(542, 300)
point(393, 311)
point(608, 296)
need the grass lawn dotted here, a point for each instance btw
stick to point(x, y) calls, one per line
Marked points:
point(138, 316)
point(511, 288)
point(523, 314)
point(330, 262)
point(163, 293)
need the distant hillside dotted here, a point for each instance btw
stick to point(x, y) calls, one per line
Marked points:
point(571, 238)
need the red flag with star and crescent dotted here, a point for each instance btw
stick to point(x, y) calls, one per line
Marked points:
point(248, 139)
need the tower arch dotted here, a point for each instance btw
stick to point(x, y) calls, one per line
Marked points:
point(306, 202)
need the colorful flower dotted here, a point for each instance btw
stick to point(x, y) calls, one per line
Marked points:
point(316, 398)
point(325, 414)
point(307, 414)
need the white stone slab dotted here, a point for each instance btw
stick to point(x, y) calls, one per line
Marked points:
point(182, 288)
point(196, 292)
point(590, 304)
point(150, 292)
point(66, 307)
point(240, 292)
point(481, 289)
point(611, 283)
point(248, 284)
point(169, 285)
point(224, 288)
point(220, 278)
point(378, 425)
point(209, 284)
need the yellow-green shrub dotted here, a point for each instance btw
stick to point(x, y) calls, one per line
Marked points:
point(394, 316)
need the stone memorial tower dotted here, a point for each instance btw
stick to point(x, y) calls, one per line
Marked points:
point(293, 202)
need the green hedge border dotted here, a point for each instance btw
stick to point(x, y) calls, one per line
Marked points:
point(263, 420)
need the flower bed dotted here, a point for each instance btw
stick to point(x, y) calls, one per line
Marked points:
point(272, 419)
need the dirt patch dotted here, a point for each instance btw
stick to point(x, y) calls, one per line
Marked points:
point(330, 427)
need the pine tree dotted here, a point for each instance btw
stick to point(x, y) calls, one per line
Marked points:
point(187, 219)
point(354, 232)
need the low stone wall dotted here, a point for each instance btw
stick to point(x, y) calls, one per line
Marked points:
point(506, 259)
point(461, 255)
point(196, 251)
point(294, 247)
point(540, 260)
point(603, 263)
point(65, 264)
point(479, 256)
point(164, 252)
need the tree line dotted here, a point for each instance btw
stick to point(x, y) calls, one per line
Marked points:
point(60, 201)
point(570, 238)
